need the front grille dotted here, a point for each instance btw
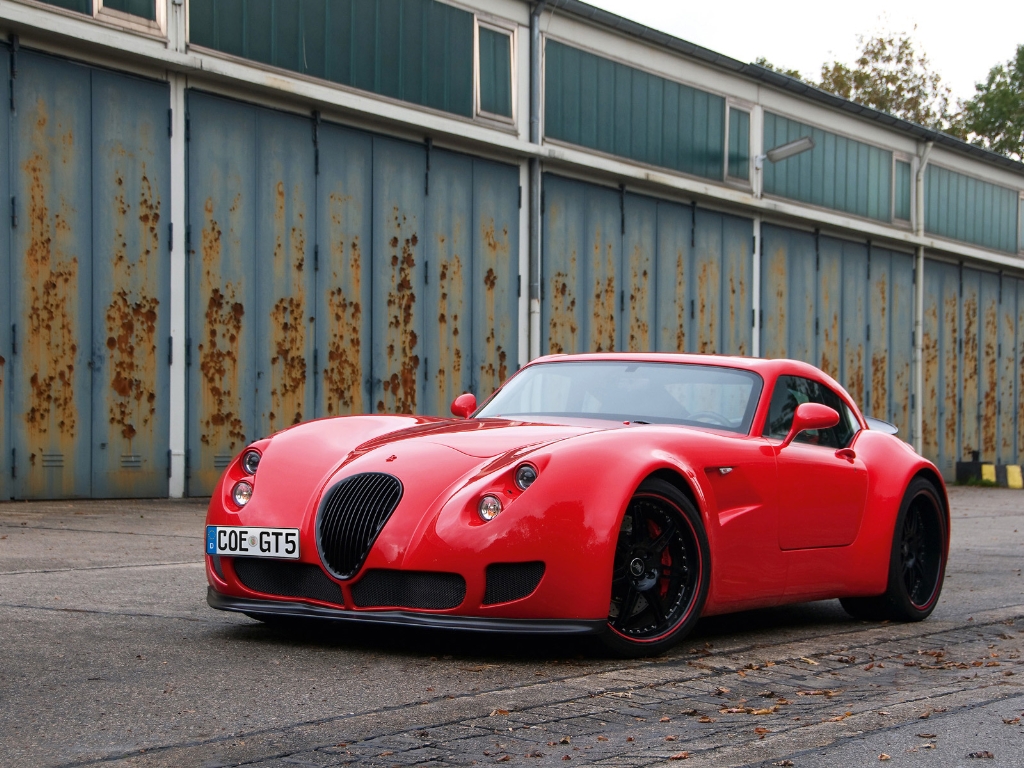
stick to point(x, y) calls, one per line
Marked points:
point(274, 577)
point(351, 515)
point(409, 589)
point(511, 581)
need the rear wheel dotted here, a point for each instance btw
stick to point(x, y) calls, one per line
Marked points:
point(660, 574)
point(917, 562)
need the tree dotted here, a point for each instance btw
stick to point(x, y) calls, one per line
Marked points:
point(761, 61)
point(994, 117)
point(892, 77)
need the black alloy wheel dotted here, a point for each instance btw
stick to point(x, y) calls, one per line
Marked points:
point(660, 572)
point(917, 562)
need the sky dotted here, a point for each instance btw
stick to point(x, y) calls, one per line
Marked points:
point(798, 34)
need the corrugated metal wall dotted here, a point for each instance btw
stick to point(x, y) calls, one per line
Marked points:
point(845, 307)
point(627, 272)
point(334, 271)
point(90, 276)
point(6, 288)
point(964, 208)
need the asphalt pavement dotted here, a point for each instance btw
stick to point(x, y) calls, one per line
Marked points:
point(109, 655)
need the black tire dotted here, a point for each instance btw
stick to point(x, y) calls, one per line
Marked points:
point(917, 560)
point(661, 536)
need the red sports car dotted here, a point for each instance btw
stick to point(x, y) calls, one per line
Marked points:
point(619, 495)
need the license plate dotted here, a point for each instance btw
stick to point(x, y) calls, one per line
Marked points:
point(239, 541)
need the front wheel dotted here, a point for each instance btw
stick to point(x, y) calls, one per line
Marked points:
point(660, 574)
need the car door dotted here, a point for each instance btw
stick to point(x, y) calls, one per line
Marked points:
point(822, 484)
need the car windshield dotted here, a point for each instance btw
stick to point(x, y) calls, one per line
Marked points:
point(652, 393)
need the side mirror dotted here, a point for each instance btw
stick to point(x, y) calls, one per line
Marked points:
point(465, 404)
point(810, 416)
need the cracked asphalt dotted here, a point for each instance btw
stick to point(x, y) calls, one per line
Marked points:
point(109, 655)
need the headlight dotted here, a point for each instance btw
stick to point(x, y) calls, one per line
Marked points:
point(489, 507)
point(241, 493)
point(525, 476)
point(250, 462)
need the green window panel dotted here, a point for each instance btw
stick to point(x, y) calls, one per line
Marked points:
point(143, 8)
point(839, 173)
point(739, 144)
point(495, 72)
point(964, 208)
point(419, 51)
point(901, 202)
point(82, 6)
point(601, 104)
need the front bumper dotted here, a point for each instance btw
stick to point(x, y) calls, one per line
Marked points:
point(299, 610)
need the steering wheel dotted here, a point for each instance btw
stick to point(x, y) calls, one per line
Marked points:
point(713, 416)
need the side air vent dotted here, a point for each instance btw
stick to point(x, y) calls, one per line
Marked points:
point(351, 515)
point(273, 577)
point(409, 589)
point(511, 581)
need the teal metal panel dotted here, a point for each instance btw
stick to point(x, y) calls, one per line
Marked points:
point(284, 268)
point(941, 364)
point(903, 183)
point(415, 50)
point(496, 72)
point(1009, 333)
point(707, 288)
point(829, 319)
point(602, 269)
point(642, 290)
point(788, 278)
point(51, 253)
point(876, 396)
point(145, 9)
point(855, 322)
point(963, 208)
point(638, 115)
point(674, 269)
point(131, 182)
point(739, 144)
point(344, 219)
point(496, 279)
point(838, 173)
point(447, 248)
point(737, 335)
point(223, 285)
point(398, 275)
point(6, 287)
point(988, 362)
point(970, 366)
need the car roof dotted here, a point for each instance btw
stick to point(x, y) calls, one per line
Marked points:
point(765, 367)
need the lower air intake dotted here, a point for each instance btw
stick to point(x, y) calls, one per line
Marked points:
point(511, 581)
point(273, 577)
point(409, 589)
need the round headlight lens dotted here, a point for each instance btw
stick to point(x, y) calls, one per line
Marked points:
point(525, 476)
point(241, 493)
point(489, 507)
point(250, 462)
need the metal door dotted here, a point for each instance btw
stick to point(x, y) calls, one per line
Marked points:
point(674, 269)
point(830, 306)
point(788, 293)
point(737, 327)
point(901, 343)
point(602, 269)
point(940, 406)
point(707, 271)
point(970, 368)
point(855, 322)
point(344, 220)
point(641, 254)
point(6, 284)
point(223, 282)
point(51, 277)
point(988, 361)
point(1006, 407)
point(131, 286)
point(563, 298)
point(399, 173)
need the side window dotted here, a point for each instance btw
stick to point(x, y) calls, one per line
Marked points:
point(792, 391)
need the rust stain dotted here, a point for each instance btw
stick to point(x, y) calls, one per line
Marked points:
point(400, 344)
point(343, 374)
point(829, 361)
point(991, 393)
point(680, 304)
point(969, 417)
point(51, 275)
point(602, 332)
point(1006, 383)
point(494, 366)
point(950, 373)
point(639, 297)
point(707, 307)
point(930, 361)
point(880, 351)
point(288, 315)
point(131, 315)
point(562, 326)
point(221, 424)
point(775, 323)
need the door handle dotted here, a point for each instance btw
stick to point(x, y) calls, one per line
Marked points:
point(846, 453)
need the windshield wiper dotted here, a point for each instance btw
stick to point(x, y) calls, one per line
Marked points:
point(637, 421)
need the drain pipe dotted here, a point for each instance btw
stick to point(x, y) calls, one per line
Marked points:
point(922, 164)
point(535, 180)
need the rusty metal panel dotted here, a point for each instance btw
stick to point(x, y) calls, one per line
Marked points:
point(131, 286)
point(1009, 332)
point(399, 177)
point(495, 274)
point(876, 397)
point(830, 306)
point(222, 209)
point(970, 370)
point(285, 232)
point(674, 266)
point(940, 409)
point(989, 366)
point(6, 358)
point(640, 253)
point(450, 281)
point(563, 300)
point(51, 279)
point(901, 343)
point(788, 285)
point(707, 273)
point(344, 220)
point(737, 277)
point(602, 267)
point(855, 322)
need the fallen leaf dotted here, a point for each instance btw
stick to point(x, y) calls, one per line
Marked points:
point(629, 738)
point(602, 738)
point(783, 763)
point(566, 757)
point(869, 666)
point(884, 756)
point(1011, 720)
point(926, 735)
point(496, 712)
point(385, 754)
point(924, 715)
point(564, 740)
point(809, 661)
point(705, 719)
point(680, 756)
point(665, 720)
point(720, 691)
point(535, 754)
point(670, 738)
point(503, 759)
point(985, 754)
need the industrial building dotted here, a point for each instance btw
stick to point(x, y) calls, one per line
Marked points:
point(227, 216)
